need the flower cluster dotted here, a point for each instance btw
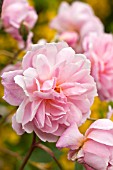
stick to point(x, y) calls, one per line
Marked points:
point(83, 31)
point(74, 22)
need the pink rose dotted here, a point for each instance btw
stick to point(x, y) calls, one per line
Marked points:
point(95, 149)
point(58, 90)
point(79, 18)
point(15, 12)
point(99, 50)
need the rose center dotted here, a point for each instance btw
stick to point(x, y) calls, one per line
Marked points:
point(57, 89)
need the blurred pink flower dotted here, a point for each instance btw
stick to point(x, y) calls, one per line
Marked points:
point(79, 18)
point(95, 149)
point(70, 37)
point(53, 90)
point(16, 12)
point(99, 50)
point(11, 67)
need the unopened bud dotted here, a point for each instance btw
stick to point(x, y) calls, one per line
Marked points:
point(24, 31)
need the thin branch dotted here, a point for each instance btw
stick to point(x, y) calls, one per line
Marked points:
point(34, 145)
point(18, 157)
point(29, 152)
point(11, 153)
point(6, 53)
point(50, 152)
point(92, 119)
point(15, 56)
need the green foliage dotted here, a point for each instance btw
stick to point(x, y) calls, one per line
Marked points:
point(79, 166)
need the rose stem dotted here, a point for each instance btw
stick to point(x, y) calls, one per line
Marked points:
point(50, 152)
point(29, 152)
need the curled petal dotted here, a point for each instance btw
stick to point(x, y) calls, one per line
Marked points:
point(17, 126)
point(71, 138)
point(13, 93)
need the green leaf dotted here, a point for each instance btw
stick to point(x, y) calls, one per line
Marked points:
point(79, 166)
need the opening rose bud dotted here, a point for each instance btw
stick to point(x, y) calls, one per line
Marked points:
point(95, 149)
point(24, 31)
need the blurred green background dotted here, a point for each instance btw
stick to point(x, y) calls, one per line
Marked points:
point(14, 147)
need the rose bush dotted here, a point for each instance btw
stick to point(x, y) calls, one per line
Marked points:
point(53, 90)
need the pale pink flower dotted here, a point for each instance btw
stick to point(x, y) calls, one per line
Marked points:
point(77, 17)
point(15, 12)
point(53, 90)
point(95, 149)
point(99, 50)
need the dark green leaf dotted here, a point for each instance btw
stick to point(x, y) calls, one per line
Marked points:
point(79, 166)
